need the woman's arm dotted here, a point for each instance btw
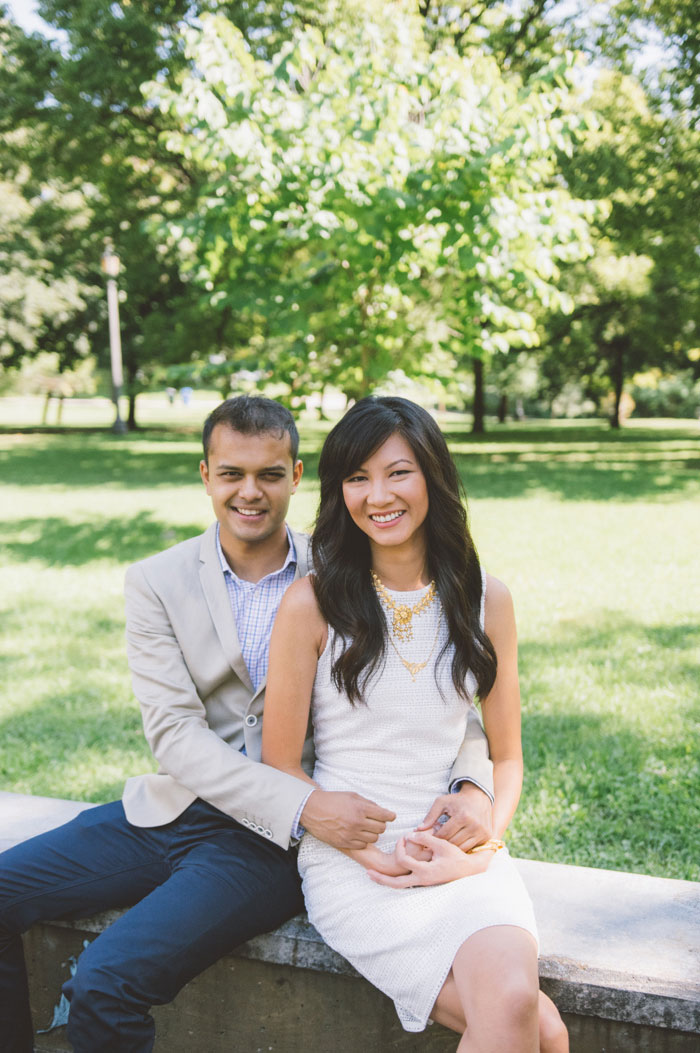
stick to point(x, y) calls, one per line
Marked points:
point(345, 820)
point(501, 707)
point(298, 638)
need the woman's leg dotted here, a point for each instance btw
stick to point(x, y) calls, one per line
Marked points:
point(554, 1038)
point(491, 994)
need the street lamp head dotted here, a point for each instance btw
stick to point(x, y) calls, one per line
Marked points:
point(110, 260)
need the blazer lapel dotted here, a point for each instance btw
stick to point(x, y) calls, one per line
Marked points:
point(302, 545)
point(216, 594)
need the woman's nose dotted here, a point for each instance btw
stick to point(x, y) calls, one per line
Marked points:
point(379, 492)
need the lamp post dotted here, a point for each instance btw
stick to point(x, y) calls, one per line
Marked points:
point(110, 267)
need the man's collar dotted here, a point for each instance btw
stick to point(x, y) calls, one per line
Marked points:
point(291, 555)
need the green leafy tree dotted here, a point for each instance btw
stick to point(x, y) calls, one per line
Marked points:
point(363, 189)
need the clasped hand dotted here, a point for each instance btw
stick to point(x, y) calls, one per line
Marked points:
point(420, 859)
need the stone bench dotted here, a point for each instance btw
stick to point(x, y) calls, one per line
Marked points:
point(620, 955)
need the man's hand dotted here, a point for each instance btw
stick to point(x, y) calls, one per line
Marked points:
point(470, 817)
point(344, 820)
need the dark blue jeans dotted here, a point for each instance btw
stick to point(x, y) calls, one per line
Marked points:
point(196, 888)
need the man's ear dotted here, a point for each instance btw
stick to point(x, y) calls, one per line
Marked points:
point(204, 472)
point(297, 472)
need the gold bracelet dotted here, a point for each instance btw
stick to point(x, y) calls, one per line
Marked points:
point(492, 845)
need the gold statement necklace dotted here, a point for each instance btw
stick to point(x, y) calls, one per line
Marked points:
point(402, 613)
point(401, 622)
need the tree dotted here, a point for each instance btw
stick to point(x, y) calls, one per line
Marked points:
point(358, 177)
point(637, 301)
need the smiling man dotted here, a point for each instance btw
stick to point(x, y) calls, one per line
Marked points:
point(202, 850)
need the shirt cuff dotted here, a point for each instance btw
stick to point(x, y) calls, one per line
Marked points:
point(298, 830)
point(458, 783)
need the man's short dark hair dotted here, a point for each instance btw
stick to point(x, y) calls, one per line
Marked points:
point(252, 415)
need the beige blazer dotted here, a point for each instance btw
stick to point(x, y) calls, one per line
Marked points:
point(198, 703)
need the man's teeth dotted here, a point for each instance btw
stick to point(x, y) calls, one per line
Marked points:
point(386, 519)
point(249, 511)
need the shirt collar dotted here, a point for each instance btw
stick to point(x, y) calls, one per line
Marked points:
point(291, 557)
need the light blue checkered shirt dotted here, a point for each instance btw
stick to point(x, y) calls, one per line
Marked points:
point(254, 605)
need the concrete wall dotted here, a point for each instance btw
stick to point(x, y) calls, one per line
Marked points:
point(245, 1006)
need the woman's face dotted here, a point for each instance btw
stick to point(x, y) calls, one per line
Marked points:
point(387, 496)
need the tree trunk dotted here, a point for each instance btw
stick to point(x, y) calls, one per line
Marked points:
point(131, 419)
point(478, 408)
point(502, 409)
point(59, 415)
point(47, 403)
point(618, 379)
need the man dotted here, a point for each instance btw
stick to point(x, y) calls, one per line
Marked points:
point(200, 851)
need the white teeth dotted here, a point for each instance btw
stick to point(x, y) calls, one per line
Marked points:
point(386, 519)
point(249, 511)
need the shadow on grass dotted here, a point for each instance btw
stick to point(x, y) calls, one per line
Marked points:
point(572, 476)
point(570, 464)
point(56, 541)
point(67, 731)
point(74, 462)
point(615, 786)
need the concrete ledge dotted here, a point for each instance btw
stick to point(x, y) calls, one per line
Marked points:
point(623, 947)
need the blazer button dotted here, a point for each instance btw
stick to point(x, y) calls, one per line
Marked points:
point(251, 720)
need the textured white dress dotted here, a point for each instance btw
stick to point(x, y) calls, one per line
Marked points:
point(398, 749)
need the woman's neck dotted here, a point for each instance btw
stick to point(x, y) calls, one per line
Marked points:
point(401, 570)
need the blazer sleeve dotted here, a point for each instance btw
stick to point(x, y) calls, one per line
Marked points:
point(473, 763)
point(175, 724)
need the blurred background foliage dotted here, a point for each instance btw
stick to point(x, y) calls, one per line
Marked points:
point(499, 201)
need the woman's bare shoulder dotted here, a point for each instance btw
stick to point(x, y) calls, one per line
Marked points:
point(300, 598)
point(299, 610)
point(498, 607)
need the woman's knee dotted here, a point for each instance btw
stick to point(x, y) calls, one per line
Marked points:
point(518, 996)
point(554, 1036)
point(496, 974)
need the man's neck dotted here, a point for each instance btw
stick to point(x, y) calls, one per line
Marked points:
point(254, 561)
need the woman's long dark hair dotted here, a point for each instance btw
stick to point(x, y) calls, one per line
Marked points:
point(341, 551)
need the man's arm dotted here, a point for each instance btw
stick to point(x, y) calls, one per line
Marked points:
point(177, 731)
point(473, 762)
point(464, 816)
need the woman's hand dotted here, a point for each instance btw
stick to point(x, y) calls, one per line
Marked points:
point(376, 861)
point(446, 863)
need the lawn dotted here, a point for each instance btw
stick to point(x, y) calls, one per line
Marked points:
point(596, 534)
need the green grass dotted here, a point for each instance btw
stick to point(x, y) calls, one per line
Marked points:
point(596, 533)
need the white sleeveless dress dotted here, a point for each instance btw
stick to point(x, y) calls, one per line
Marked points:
point(398, 749)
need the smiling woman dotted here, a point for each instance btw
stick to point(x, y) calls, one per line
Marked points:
point(386, 646)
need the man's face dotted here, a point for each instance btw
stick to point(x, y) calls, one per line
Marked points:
point(250, 479)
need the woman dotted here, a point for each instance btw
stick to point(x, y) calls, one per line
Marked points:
point(389, 643)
